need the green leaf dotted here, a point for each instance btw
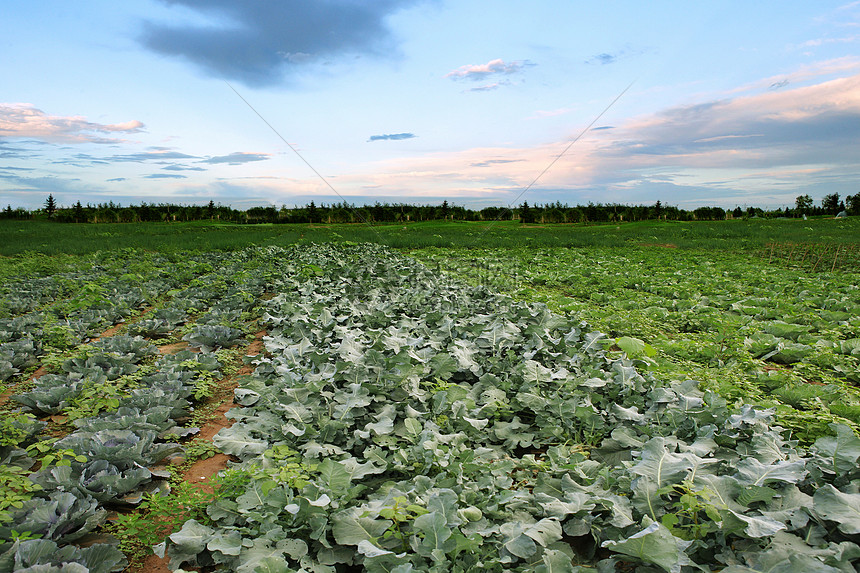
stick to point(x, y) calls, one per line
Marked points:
point(228, 544)
point(437, 535)
point(349, 529)
point(522, 546)
point(655, 544)
point(754, 493)
point(545, 531)
point(843, 508)
point(555, 561)
point(843, 449)
point(193, 536)
point(658, 468)
point(635, 347)
point(757, 473)
point(752, 525)
point(334, 476)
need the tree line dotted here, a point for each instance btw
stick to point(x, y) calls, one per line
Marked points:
point(404, 212)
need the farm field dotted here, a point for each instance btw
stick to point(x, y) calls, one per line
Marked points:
point(816, 238)
point(750, 329)
point(448, 407)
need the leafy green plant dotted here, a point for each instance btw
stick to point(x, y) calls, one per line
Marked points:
point(48, 454)
point(15, 428)
point(93, 399)
point(158, 516)
point(400, 513)
point(15, 489)
point(199, 450)
point(693, 514)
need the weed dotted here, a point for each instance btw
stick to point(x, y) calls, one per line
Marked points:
point(45, 452)
point(158, 516)
point(15, 489)
point(400, 513)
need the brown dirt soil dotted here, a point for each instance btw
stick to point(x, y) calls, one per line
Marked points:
point(153, 564)
point(201, 472)
point(4, 396)
point(109, 332)
point(176, 347)
point(116, 327)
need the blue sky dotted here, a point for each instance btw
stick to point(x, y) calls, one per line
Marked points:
point(731, 103)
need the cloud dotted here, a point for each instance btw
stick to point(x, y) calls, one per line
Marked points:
point(606, 58)
point(759, 148)
point(807, 124)
point(479, 72)
point(23, 120)
point(603, 59)
point(489, 87)
point(392, 137)
point(490, 162)
point(779, 84)
point(237, 158)
point(144, 156)
point(177, 167)
point(164, 176)
point(260, 42)
point(116, 179)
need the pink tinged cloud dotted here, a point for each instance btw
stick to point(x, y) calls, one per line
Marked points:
point(744, 132)
point(24, 120)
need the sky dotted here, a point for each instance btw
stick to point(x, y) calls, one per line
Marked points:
point(283, 102)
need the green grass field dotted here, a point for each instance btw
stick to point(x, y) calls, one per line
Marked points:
point(19, 237)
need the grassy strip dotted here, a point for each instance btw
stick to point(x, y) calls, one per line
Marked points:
point(28, 241)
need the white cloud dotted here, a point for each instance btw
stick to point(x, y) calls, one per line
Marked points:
point(478, 72)
point(24, 120)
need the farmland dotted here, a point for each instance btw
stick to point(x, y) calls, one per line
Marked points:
point(649, 398)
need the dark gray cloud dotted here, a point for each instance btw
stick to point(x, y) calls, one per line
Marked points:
point(392, 136)
point(236, 158)
point(779, 84)
point(164, 176)
point(263, 41)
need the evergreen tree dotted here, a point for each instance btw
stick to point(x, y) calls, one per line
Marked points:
point(526, 215)
point(79, 212)
point(50, 206)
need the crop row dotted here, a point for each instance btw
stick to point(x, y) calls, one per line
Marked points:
point(125, 402)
